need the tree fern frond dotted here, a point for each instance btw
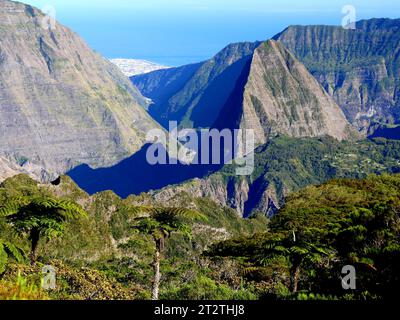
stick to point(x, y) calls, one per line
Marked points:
point(15, 252)
point(250, 270)
point(3, 258)
point(9, 251)
point(13, 205)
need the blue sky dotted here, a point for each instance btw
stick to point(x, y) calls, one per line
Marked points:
point(176, 32)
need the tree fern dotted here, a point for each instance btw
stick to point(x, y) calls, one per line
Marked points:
point(160, 223)
point(9, 251)
point(40, 217)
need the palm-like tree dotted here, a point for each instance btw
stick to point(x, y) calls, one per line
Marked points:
point(297, 252)
point(40, 217)
point(287, 250)
point(159, 223)
point(7, 251)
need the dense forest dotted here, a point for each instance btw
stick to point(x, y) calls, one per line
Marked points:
point(103, 247)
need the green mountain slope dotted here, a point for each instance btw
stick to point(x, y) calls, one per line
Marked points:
point(343, 227)
point(298, 254)
point(285, 165)
point(101, 257)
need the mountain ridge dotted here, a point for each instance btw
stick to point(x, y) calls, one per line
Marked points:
point(281, 97)
point(359, 68)
point(220, 105)
point(194, 87)
point(74, 105)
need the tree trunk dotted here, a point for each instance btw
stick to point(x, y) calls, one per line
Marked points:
point(34, 237)
point(294, 278)
point(157, 273)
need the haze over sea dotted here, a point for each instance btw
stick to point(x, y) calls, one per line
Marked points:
point(177, 32)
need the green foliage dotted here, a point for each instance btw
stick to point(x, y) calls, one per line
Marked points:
point(9, 251)
point(204, 288)
point(161, 222)
point(319, 230)
point(31, 210)
point(47, 215)
point(103, 251)
point(323, 228)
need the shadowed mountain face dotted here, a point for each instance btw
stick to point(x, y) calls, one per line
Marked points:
point(249, 86)
point(135, 175)
point(194, 95)
point(62, 104)
point(386, 132)
point(277, 95)
point(274, 95)
point(360, 68)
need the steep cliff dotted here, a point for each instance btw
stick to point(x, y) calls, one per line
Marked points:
point(360, 68)
point(194, 95)
point(61, 103)
point(281, 97)
point(285, 165)
point(247, 85)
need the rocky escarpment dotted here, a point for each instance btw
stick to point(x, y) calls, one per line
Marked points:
point(10, 168)
point(194, 95)
point(227, 192)
point(285, 165)
point(359, 68)
point(61, 103)
point(247, 85)
point(281, 97)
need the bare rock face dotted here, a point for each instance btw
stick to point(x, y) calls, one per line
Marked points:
point(360, 68)
point(281, 97)
point(251, 86)
point(62, 104)
point(234, 194)
point(9, 169)
point(193, 95)
point(213, 187)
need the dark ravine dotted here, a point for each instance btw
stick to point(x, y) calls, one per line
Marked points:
point(282, 166)
point(135, 175)
point(274, 95)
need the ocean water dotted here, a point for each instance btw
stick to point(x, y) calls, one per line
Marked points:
point(178, 32)
point(175, 40)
